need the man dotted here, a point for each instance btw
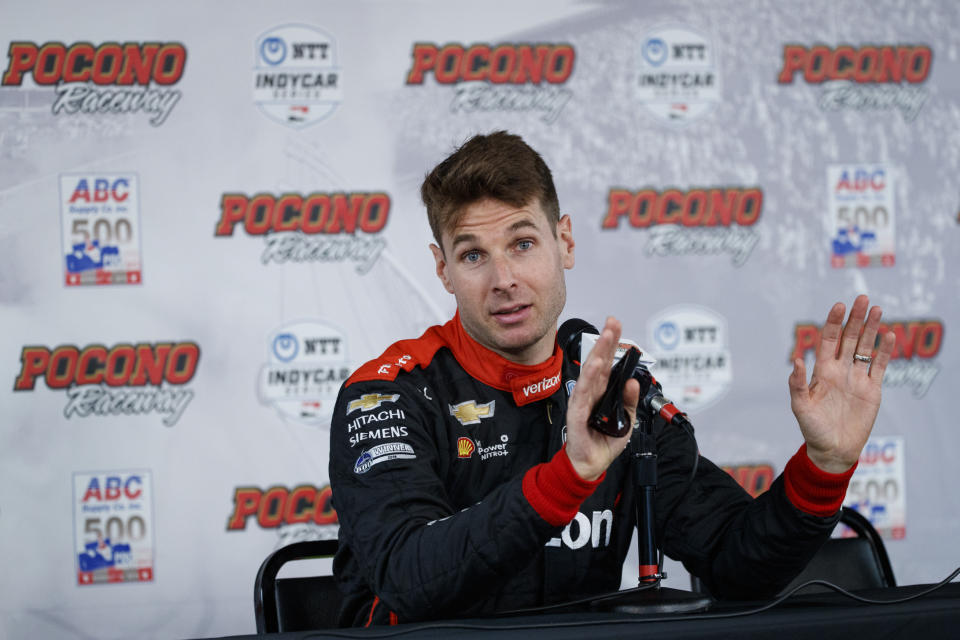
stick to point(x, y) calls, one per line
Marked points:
point(467, 481)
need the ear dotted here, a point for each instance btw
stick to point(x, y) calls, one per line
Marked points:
point(565, 241)
point(441, 267)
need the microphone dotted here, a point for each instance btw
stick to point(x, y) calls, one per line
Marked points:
point(576, 337)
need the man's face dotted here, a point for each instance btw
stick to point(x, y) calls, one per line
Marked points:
point(505, 266)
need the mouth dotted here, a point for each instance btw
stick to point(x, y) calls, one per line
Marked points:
point(512, 314)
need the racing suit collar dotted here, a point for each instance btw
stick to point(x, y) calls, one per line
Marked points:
point(528, 383)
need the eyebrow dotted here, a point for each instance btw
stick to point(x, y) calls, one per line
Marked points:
point(470, 237)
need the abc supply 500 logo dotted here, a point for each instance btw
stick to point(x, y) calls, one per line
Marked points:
point(503, 77)
point(302, 513)
point(913, 363)
point(110, 78)
point(698, 221)
point(297, 76)
point(860, 215)
point(100, 215)
point(122, 380)
point(113, 526)
point(316, 227)
point(866, 78)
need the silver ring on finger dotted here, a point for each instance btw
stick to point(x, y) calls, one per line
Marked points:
point(860, 358)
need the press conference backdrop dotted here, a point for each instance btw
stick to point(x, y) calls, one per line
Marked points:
point(209, 215)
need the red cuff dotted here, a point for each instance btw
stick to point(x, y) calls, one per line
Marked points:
point(813, 490)
point(555, 490)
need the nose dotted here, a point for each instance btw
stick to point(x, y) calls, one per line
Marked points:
point(502, 273)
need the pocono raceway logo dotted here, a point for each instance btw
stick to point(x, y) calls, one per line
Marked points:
point(754, 478)
point(110, 78)
point(315, 227)
point(913, 361)
point(505, 77)
point(866, 78)
point(677, 80)
point(698, 221)
point(297, 75)
point(307, 364)
point(302, 513)
point(123, 380)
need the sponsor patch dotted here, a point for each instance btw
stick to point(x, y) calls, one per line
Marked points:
point(465, 447)
point(383, 453)
point(113, 527)
point(470, 412)
point(591, 531)
point(498, 450)
point(381, 433)
point(100, 219)
point(307, 365)
point(369, 401)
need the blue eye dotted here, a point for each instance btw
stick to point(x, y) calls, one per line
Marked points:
point(523, 245)
point(471, 256)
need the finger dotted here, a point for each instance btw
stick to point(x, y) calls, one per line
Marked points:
point(868, 339)
point(798, 383)
point(851, 332)
point(830, 335)
point(631, 398)
point(595, 371)
point(882, 359)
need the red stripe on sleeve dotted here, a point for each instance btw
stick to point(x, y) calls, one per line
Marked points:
point(555, 490)
point(813, 490)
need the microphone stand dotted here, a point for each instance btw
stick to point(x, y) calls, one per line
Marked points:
point(643, 468)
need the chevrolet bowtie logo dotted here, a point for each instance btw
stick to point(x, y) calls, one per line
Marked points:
point(370, 401)
point(470, 412)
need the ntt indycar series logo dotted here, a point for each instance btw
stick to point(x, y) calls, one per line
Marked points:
point(315, 227)
point(110, 78)
point(913, 363)
point(691, 345)
point(866, 78)
point(307, 364)
point(123, 380)
point(698, 221)
point(297, 75)
point(677, 80)
point(503, 77)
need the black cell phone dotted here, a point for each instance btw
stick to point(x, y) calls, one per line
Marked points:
point(608, 415)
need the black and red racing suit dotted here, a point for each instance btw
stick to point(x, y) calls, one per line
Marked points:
point(456, 498)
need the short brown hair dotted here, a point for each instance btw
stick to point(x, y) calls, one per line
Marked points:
point(499, 166)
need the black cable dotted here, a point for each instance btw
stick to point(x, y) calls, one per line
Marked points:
point(473, 626)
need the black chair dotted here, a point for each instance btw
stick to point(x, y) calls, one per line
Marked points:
point(859, 562)
point(295, 604)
